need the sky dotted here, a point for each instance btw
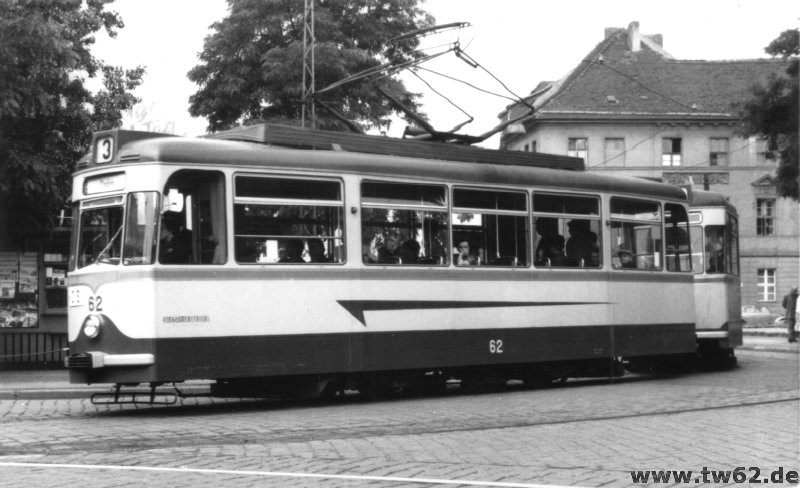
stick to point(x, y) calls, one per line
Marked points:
point(520, 42)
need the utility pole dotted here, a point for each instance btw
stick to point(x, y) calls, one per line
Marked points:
point(309, 111)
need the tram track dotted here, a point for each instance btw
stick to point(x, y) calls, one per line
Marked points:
point(259, 432)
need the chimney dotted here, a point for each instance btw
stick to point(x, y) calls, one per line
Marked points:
point(634, 37)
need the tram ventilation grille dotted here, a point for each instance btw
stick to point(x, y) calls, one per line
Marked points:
point(79, 361)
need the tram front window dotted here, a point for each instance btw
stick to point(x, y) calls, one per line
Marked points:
point(99, 234)
point(715, 250)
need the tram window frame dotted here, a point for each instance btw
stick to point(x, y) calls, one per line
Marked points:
point(141, 228)
point(677, 238)
point(721, 253)
point(577, 215)
point(732, 227)
point(697, 236)
point(107, 250)
point(294, 227)
point(413, 231)
point(482, 216)
point(632, 247)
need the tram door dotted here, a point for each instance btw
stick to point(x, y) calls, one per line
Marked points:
point(194, 206)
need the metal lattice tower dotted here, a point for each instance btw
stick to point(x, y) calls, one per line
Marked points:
point(309, 112)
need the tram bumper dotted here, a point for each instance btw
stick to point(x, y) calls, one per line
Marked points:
point(97, 359)
point(727, 337)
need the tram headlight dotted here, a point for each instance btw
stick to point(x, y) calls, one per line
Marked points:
point(91, 326)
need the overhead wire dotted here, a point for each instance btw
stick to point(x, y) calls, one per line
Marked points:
point(441, 94)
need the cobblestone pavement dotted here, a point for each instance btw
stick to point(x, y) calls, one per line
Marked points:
point(583, 433)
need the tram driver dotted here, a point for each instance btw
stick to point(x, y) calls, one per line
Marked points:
point(176, 242)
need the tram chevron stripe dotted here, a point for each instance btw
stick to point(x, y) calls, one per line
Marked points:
point(358, 307)
point(283, 474)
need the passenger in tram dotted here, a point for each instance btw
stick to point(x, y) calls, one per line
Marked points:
point(316, 251)
point(582, 243)
point(464, 256)
point(292, 252)
point(623, 258)
point(550, 249)
point(175, 246)
point(715, 254)
point(409, 251)
point(390, 249)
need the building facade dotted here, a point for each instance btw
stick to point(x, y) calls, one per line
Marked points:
point(630, 108)
point(33, 297)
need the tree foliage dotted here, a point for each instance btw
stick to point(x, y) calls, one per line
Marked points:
point(47, 114)
point(251, 67)
point(772, 113)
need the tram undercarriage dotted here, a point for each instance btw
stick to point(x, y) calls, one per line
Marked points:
point(380, 385)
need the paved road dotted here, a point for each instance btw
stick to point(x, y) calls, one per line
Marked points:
point(584, 433)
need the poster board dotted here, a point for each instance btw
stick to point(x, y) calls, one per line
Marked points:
point(19, 279)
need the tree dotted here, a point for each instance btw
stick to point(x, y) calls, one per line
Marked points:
point(47, 114)
point(772, 113)
point(251, 68)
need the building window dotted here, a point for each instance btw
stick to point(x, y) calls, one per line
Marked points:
point(533, 146)
point(527, 148)
point(718, 155)
point(765, 216)
point(615, 151)
point(671, 152)
point(762, 149)
point(578, 148)
point(766, 285)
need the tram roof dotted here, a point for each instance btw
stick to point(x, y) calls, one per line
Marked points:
point(703, 198)
point(248, 155)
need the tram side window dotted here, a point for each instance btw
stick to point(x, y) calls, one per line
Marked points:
point(635, 234)
point(192, 227)
point(568, 230)
point(284, 220)
point(490, 227)
point(404, 224)
point(676, 238)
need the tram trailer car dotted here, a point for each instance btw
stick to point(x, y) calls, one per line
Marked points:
point(255, 304)
point(715, 261)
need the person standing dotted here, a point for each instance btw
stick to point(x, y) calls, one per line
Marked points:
point(790, 304)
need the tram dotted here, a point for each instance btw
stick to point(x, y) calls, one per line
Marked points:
point(265, 266)
point(714, 232)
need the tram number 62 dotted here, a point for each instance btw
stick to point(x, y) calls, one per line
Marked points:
point(96, 304)
point(496, 346)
